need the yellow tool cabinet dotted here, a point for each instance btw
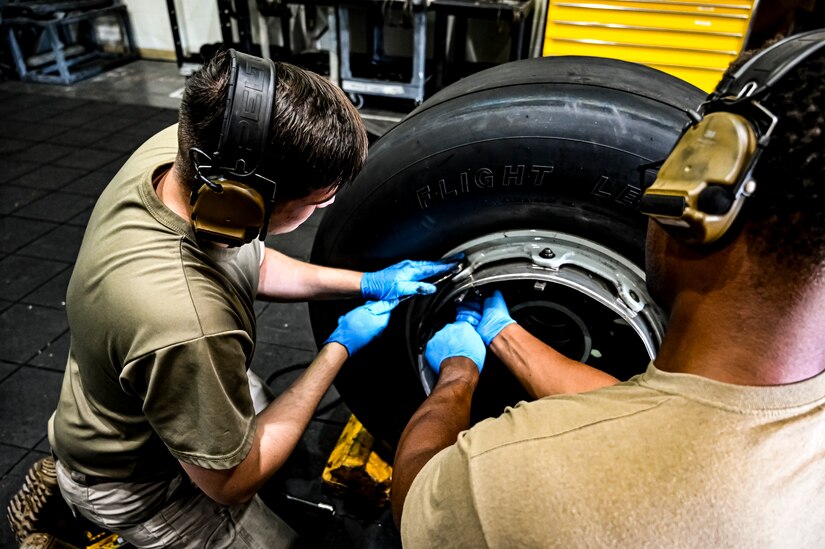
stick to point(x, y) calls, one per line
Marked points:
point(690, 39)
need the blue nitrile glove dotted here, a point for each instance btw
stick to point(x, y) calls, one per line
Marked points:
point(494, 319)
point(456, 339)
point(403, 279)
point(470, 311)
point(362, 324)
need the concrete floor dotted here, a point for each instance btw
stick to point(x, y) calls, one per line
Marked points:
point(58, 149)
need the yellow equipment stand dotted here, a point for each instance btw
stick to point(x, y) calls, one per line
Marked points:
point(690, 39)
point(354, 469)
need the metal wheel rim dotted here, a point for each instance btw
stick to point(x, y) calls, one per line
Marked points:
point(545, 257)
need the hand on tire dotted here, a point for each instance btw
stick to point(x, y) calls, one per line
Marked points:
point(403, 279)
point(361, 325)
point(456, 339)
point(494, 318)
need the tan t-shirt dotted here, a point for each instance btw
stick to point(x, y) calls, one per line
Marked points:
point(162, 331)
point(663, 460)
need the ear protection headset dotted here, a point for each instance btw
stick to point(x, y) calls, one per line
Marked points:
point(231, 203)
point(705, 181)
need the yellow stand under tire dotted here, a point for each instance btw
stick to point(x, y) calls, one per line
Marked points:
point(354, 469)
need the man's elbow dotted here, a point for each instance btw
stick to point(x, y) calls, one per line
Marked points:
point(229, 496)
point(225, 487)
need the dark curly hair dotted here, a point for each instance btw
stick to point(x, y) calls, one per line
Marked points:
point(786, 215)
point(316, 140)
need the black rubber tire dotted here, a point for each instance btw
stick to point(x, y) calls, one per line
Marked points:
point(547, 143)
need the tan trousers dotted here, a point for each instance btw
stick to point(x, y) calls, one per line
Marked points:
point(174, 513)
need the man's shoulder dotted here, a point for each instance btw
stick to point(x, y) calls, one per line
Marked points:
point(561, 417)
point(563, 469)
point(536, 448)
point(150, 297)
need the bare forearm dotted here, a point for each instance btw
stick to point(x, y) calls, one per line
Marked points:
point(435, 426)
point(279, 428)
point(283, 422)
point(286, 279)
point(542, 370)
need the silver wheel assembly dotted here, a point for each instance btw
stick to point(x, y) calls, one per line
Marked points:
point(583, 299)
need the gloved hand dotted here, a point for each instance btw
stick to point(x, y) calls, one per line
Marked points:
point(362, 324)
point(456, 339)
point(403, 279)
point(470, 310)
point(495, 317)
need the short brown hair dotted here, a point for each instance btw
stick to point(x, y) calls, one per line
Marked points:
point(316, 138)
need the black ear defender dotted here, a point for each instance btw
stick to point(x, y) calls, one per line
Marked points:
point(706, 180)
point(231, 203)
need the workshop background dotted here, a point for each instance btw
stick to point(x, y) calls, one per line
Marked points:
point(84, 82)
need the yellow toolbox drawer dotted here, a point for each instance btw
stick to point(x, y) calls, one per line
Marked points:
point(597, 14)
point(738, 7)
point(729, 45)
point(692, 40)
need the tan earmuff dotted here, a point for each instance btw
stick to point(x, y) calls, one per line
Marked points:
point(695, 195)
point(705, 181)
point(231, 202)
point(232, 215)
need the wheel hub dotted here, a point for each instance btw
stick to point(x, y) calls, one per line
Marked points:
point(581, 298)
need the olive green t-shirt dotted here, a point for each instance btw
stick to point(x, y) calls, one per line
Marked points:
point(162, 332)
point(663, 460)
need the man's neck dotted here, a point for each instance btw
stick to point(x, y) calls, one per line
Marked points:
point(174, 194)
point(746, 335)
